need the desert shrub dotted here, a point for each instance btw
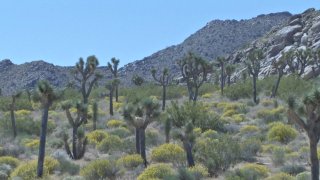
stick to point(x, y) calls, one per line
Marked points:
point(293, 169)
point(281, 176)
point(115, 123)
point(271, 115)
point(156, 171)
point(248, 171)
point(129, 145)
point(28, 170)
point(249, 129)
point(199, 171)
point(32, 127)
point(32, 143)
point(278, 156)
point(281, 133)
point(267, 102)
point(168, 153)
point(217, 154)
point(207, 95)
point(152, 137)
point(238, 118)
point(95, 137)
point(303, 176)
point(5, 170)
point(249, 148)
point(122, 132)
point(74, 178)
point(260, 170)
point(68, 167)
point(100, 169)
point(210, 134)
point(13, 162)
point(110, 143)
point(239, 90)
point(130, 161)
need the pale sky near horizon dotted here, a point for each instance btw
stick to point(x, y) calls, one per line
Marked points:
point(61, 31)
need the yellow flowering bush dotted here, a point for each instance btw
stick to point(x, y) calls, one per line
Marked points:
point(13, 162)
point(238, 118)
point(22, 113)
point(270, 115)
point(281, 176)
point(267, 102)
point(260, 170)
point(32, 143)
point(168, 153)
point(156, 171)
point(281, 132)
point(130, 161)
point(117, 105)
point(95, 137)
point(113, 123)
point(207, 95)
point(249, 129)
point(199, 171)
point(100, 169)
point(28, 170)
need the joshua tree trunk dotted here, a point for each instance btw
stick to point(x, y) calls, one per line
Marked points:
point(255, 89)
point(13, 122)
point(164, 93)
point(143, 146)
point(74, 142)
point(95, 115)
point(117, 97)
point(188, 149)
point(222, 78)
point(42, 146)
point(275, 90)
point(138, 141)
point(229, 80)
point(314, 156)
point(110, 102)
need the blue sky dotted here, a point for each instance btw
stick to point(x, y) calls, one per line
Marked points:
point(61, 31)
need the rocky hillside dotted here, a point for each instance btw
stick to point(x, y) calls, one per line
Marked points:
point(217, 38)
point(302, 31)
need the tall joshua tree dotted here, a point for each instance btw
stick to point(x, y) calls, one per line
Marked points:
point(221, 63)
point(229, 71)
point(140, 115)
point(46, 96)
point(163, 80)
point(279, 66)
point(114, 70)
point(111, 86)
point(85, 75)
point(308, 118)
point(253, 64)
point(12, 109)
point(137, 80)
point(79, 142)
point(194, 71)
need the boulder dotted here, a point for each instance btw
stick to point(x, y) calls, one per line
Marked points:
point(304, 39)
point(297, 37)
point(315, 28)
point(295, 22)
point(275, 49)
point(286, 34)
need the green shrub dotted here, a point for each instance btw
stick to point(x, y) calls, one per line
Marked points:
point(278, 156)
point(249, 129)
point(113, 123)
point(239, 90)
point(293, 169)
point(68, 167)
point(248, 171)
point(249, 148)
point(100, 169)
point(271, 115)
point(110, 143)
point(261, 170)
point(303, 176)
point(168, 153)
point(156, 171)
point(95, 137)
point(13, 162)
point(281, 176)
point(28, 170)
point(152, 137)
point(281, 133)
point(130, 161)
point(122, 132)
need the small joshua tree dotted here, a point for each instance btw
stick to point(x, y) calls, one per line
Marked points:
point(111, 86)
point(279, 66)
point(167, 128)
point(114, 70)
point(79, 142)
point(163, 80)
point(308, 118)
point(254, 65)
point(46, 96)
point(194, 71)
point(137, 80)
point(221, 63)
point(140, 115)
point(304, 57)
point(85, 75)
point(229, 71)
point(12, 109)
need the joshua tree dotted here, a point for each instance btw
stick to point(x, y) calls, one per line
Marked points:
point(308, 118)
point(194, 71)
point(140, 115)
point(95, 115)
point(137, 80)
point(221, 63)
point(229, 71)
point(111, 86)
point(167, 128)
point(79, 142)
point(253, 65)
point(12, 109)
point(28, 95)
point(279, 66)
point(304, 57)
point(114, 70)
point(85, 75)
point(163, 80)
point(184, 125)
point(46, 96)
